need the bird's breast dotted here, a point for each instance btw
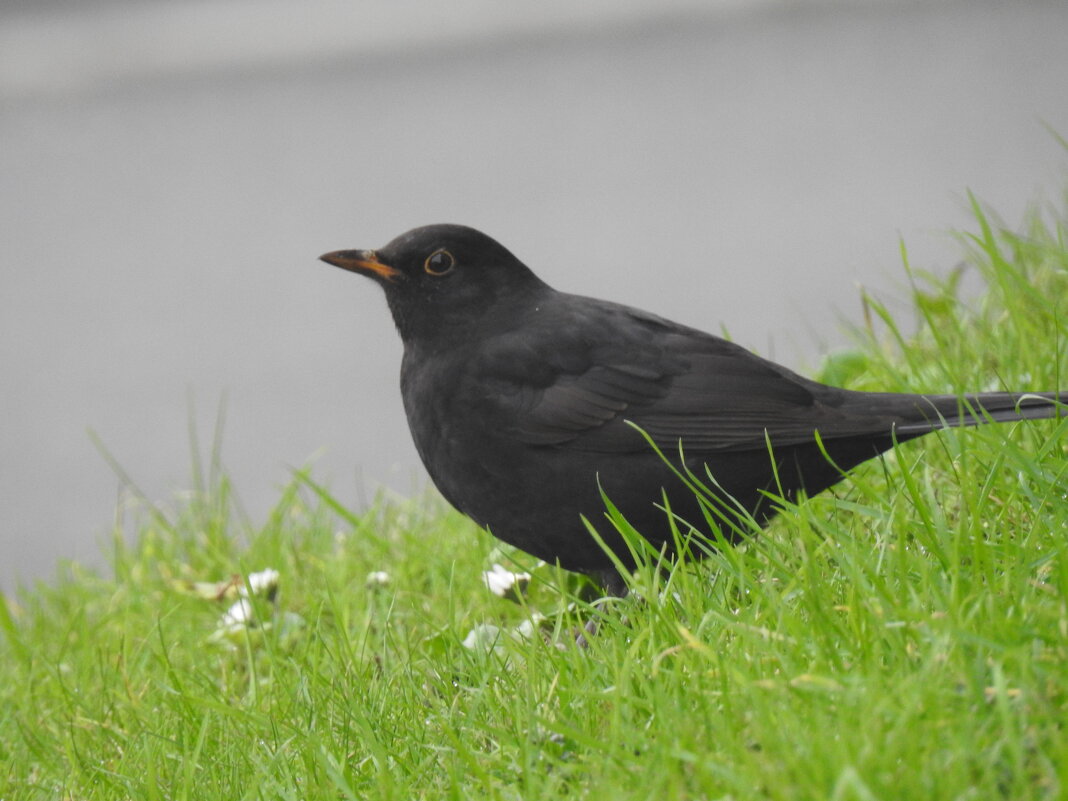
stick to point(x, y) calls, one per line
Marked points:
point(463, 450)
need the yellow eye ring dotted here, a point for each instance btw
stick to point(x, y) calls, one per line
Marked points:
point(440, 262)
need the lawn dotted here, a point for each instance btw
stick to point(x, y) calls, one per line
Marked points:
point(902, 637)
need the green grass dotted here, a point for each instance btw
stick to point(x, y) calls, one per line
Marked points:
point(905, 637)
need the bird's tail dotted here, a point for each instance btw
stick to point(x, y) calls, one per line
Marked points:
point(943, 411)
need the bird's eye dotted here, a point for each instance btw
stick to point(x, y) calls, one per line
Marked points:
point(439, 262)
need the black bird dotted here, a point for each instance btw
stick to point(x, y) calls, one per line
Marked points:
point(523, 403)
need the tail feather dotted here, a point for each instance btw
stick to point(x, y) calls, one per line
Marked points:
point(943, 411)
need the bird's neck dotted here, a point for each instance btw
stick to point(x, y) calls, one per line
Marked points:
point(429, 329)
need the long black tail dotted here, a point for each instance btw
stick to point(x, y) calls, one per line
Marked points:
point(942, 411)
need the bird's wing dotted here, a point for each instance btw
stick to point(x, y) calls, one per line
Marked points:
point(672, 382)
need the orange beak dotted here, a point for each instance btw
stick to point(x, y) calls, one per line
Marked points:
point(361, 261)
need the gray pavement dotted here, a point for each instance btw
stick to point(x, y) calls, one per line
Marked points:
point(743, 167)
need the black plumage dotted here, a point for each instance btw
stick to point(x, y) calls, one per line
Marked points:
point(524, 402)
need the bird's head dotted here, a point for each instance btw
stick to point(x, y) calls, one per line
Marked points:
point(442, 277)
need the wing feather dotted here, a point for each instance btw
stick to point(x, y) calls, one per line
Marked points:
point(675, 383)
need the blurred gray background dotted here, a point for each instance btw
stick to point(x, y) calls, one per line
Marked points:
point(171, 170)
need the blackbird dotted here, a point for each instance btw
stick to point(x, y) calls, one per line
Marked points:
point(526, 403)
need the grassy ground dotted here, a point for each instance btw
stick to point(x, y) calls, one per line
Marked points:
point(903, 638)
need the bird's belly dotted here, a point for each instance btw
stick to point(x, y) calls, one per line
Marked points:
point(535, 497)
